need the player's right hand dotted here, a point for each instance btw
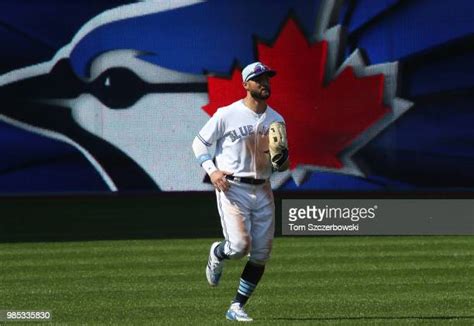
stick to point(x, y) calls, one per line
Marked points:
point(219, 181)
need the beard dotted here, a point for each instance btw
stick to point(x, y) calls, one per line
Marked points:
point(261, 95)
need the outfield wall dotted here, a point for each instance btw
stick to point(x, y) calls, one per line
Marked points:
point(112, 216)
point(95, 217)
point(139, 216)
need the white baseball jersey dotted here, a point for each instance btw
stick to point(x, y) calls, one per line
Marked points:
point(247, 211)
point(241, 138)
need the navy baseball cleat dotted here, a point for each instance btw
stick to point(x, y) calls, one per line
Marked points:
point(214, 266)
point(237, 313)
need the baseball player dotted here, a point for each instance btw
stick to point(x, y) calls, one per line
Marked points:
point(250, 140)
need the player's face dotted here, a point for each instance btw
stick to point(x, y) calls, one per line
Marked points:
point(259, 87)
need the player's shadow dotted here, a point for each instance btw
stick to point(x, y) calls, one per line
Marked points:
point(373, 318)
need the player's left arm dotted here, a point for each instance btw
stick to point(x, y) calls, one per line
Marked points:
point(278, 146)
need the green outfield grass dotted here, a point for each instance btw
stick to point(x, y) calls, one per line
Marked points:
point(309, 281)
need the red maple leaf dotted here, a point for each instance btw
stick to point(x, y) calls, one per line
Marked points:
point(321, 120)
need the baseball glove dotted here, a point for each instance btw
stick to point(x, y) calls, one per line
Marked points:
point(278, 146)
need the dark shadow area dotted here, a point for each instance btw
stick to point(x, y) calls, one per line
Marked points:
point(116, 216)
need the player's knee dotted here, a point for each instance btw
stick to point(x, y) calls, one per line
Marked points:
point(240, 249)
point(260, 257)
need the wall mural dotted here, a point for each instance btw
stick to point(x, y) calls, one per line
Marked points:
point(111, 97)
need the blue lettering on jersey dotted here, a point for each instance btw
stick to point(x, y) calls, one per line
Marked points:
point(241, 132)
point(263, 131)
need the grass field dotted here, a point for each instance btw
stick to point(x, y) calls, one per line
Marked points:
point(309, 281)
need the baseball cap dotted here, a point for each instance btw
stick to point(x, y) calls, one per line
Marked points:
point(256, 69)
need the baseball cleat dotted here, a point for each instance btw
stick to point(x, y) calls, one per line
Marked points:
point(214, 267)
point(237, 313)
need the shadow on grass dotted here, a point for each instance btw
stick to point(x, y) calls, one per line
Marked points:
point(375, 318)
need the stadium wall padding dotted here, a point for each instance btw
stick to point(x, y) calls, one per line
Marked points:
point(143, 216)
point(108, 217)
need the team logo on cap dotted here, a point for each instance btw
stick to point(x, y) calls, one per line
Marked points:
point(259, 68)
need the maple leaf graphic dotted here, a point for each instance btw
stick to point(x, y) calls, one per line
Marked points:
point(326, 122)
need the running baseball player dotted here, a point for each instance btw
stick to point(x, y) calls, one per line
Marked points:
point(250, 140)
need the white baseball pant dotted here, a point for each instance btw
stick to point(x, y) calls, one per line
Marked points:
point(248, 220)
